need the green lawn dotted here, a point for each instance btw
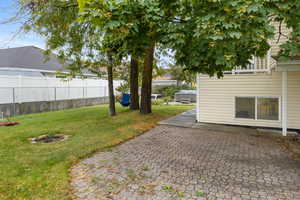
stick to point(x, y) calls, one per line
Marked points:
point(40, 171)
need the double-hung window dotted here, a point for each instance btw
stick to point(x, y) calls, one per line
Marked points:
point(257, 108)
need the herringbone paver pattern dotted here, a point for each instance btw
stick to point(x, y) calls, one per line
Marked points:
point(184, 163)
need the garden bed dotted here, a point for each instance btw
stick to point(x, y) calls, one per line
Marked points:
point(8, 123)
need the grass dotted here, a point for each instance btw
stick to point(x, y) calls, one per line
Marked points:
point(40, 171)
point(200, 193)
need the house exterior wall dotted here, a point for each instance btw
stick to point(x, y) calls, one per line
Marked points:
point(217, 97)
point(293, 100)
point(275, 43)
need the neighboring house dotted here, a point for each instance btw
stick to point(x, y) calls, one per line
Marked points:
point(265, 94)
point(29, 83)
point(165, 80)
point(186, 96)
point(31, 61)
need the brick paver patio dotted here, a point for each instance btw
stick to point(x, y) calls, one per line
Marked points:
point(185, 163)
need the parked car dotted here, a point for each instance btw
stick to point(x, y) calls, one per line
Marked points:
point(156, 96)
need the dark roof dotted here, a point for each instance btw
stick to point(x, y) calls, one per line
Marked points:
point(29, 57)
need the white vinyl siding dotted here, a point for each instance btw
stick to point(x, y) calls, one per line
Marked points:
point(294, 99)
point(217, 97)
point(275, 44)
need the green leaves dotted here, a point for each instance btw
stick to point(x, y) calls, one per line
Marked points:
point(236, 35)
point(228, 34)
point(208, 36)
point(287, 12)
point(81, 4)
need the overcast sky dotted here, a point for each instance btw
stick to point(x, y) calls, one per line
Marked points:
point(8, 9)
point(9, 37)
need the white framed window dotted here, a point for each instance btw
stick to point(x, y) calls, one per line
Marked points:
point(257, 108)
point(245, 107)
point(267, 108)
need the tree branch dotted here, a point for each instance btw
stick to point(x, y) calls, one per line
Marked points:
point(279, 32)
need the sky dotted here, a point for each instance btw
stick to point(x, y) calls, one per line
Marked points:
point(8, 31)
point(9, 36)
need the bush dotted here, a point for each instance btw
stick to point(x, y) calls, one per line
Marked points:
point(157, 102)
point(167, 100)
point(118, 98)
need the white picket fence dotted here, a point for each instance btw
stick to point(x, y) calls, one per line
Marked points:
point(31, 89)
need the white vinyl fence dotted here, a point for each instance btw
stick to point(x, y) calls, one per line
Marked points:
point(32, 89)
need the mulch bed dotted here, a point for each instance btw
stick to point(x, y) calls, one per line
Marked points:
point(292, 145)
point(8, 123)
point(289, 143)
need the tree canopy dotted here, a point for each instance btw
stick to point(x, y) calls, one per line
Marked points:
point(208, 36)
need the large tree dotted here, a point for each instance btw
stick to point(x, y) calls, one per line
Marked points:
point(209, 36)
point(134, 84)
point(78, 43)
point(139, 24)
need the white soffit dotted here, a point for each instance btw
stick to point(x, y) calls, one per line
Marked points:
point(291, 65)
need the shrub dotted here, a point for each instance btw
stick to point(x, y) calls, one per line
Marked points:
point(157, 102)
point(167, 99)
point(118, 98)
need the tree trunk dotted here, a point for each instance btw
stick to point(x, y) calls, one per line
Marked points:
point(112, 107)
point(134, 84)
point(147, 81)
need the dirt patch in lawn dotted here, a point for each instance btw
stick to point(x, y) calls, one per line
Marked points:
point(47, 138)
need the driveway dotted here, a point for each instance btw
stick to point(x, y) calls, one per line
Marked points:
point(207, 162)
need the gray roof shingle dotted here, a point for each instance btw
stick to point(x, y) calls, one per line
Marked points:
point(28, 57)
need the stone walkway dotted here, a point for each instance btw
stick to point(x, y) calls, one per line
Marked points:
point(169, 163)
point(186, 119)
